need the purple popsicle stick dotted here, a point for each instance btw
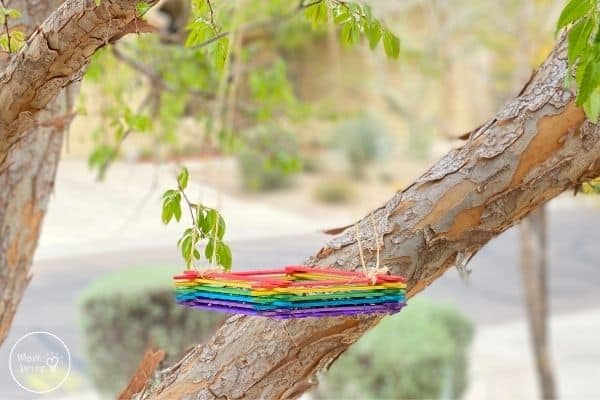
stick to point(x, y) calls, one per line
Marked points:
point(387, 308)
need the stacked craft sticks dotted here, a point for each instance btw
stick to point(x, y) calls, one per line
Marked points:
point(292, 292)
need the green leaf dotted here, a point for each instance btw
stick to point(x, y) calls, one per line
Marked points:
point(213, 224)
point(207, 222)
point(588, 81)
point(186, 249)
point(142, 8)
point(177, 210)
point(101, 157)
point(578, 38)
point(224, 256)
point(137, 122)
point(167, 212)
point(220, 227)
point(218, 252)
point(171, 206)
point(391, 44)
point(169, 193)
point(199, 31)
point(574, 10)
point(350, 32)
point(210, 251)
point(11, 13)
point(187, 232)
point(592, 106)
point(317, 14)
point(341, 15)
point(199, 216)
point(182, 178)
point(373, 32)
point(220, 53)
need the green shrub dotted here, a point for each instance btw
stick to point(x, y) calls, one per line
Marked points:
point(269, 160)
point(127, 311)
point(362, 140)
point(311, 164)
point(420, 353)
point(334, 191)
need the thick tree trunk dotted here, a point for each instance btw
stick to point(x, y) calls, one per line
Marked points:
point(535, 283)
point(26, 183)
point(26, 186)
point(536, 147)
point(33, 116)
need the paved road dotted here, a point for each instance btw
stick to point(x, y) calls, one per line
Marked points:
point(492, 296)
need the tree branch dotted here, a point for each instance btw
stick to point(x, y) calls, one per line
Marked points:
point(54, 56)
point(153, 76)
point(6, 27)
point(534, 148)
point(272, 21)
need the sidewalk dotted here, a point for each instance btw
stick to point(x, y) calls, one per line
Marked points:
point(123, 211)
point(502, 365)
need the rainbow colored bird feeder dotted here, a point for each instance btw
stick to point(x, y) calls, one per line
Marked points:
point(291, 292)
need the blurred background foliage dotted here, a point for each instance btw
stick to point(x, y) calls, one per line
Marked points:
point(421, 353)
point(215, 81)
point(125, 313)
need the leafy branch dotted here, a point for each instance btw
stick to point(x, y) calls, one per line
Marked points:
point(204, 30)
point(10, 41)
point(154, 77)
point(582, 18)
point(207, 225)
point(354, 18)
point(125, 124)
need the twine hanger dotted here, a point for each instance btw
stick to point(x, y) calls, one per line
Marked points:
point(370, 273)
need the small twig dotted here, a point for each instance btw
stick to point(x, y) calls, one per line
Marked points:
point(143, 105)
point(6, 27)
point(276, 20)
point(155, 79)
point(190, 205)
point(212, 14)
point(302, 5)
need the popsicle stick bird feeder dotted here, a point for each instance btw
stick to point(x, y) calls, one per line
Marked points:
point(291, 292)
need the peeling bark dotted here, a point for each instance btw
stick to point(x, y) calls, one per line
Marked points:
point(34, 105)
point(56, 55)
point(26, 184)
point(26, 187)
point(535, 147)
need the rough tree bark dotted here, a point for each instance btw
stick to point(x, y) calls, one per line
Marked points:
point(26, 183)
point(33, 116)
point(535, 147)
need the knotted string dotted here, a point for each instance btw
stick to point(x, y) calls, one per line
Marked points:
point(370, 273)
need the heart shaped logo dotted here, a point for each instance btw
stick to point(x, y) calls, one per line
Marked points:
point(52, 362)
